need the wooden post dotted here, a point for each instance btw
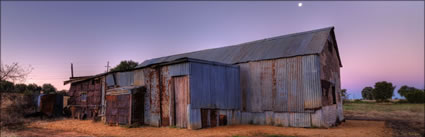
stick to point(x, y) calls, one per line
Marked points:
point(72, 71)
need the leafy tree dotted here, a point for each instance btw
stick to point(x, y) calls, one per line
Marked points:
point(62, 92)
point(125, 65)
point(383, 91)
point(404, 90)
point(6, 86)
point(344, 94)
point(412, 94)
point(48, 88)
point(367, 93)
point(33, 89)
point(415, 96)
point(20, 88)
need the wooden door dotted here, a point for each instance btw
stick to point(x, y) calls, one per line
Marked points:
point(181, 99)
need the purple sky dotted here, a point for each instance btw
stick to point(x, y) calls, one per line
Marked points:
point(377, 40)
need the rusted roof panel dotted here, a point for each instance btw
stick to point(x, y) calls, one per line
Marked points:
point(297, 44)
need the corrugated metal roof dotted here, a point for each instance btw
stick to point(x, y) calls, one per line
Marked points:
point(297, 44)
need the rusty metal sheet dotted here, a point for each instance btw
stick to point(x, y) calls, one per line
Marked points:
point(118, 109)
point(303, 43)
point(282, 85)
point(267, 87)
point(166, 88)
point(311, 81)
point(139, 78)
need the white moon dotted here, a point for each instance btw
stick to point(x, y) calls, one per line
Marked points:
point(300, 4)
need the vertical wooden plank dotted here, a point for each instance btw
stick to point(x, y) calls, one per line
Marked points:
point(181, 99)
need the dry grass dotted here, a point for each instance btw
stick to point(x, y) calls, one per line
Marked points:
point(408, 119)
point(351, 128)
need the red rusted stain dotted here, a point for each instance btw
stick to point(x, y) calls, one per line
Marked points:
point(165, 112)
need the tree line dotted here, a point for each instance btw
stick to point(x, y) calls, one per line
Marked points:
point(15, 72)
point(383, 91)
point(28, 89)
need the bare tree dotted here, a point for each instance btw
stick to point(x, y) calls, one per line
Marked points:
point(14, 72)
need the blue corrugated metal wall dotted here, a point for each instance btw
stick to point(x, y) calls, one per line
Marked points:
point(214, 86)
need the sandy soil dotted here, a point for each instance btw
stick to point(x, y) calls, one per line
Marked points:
point(68, 127)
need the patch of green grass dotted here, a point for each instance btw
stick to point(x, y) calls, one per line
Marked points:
point(173, 126)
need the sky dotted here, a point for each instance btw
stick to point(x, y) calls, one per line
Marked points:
point(378, 41)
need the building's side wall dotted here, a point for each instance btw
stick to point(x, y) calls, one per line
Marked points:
point(148, 77)
point(330, 73)
point(158, 104)
point(91, 107)
point(281, 92)
point(216, 90)
point(281, 85)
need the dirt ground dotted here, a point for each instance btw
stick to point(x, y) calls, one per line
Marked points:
point(70, 127)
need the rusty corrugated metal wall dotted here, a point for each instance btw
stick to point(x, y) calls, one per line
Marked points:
point(93, 90)
point(118, 109)
point(281, 85)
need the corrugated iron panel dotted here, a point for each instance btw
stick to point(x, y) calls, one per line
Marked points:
point(139, 78)
point(200, 86)
point(329, 115)
point(110, 80)
point(281, 119)
point(267, 87)
point(166, 89)
point(311, 81)
point(125, 78)
point(214, 86)
point(281, 85)
point(254, 97)
point(233, 116)
point(152, 108)
point(194, 118)
point(299, 120)
point(281, 98)
point(118, 109)
point(316, 119)
point(304, 43)
point(178, 69)
point(340, 111)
